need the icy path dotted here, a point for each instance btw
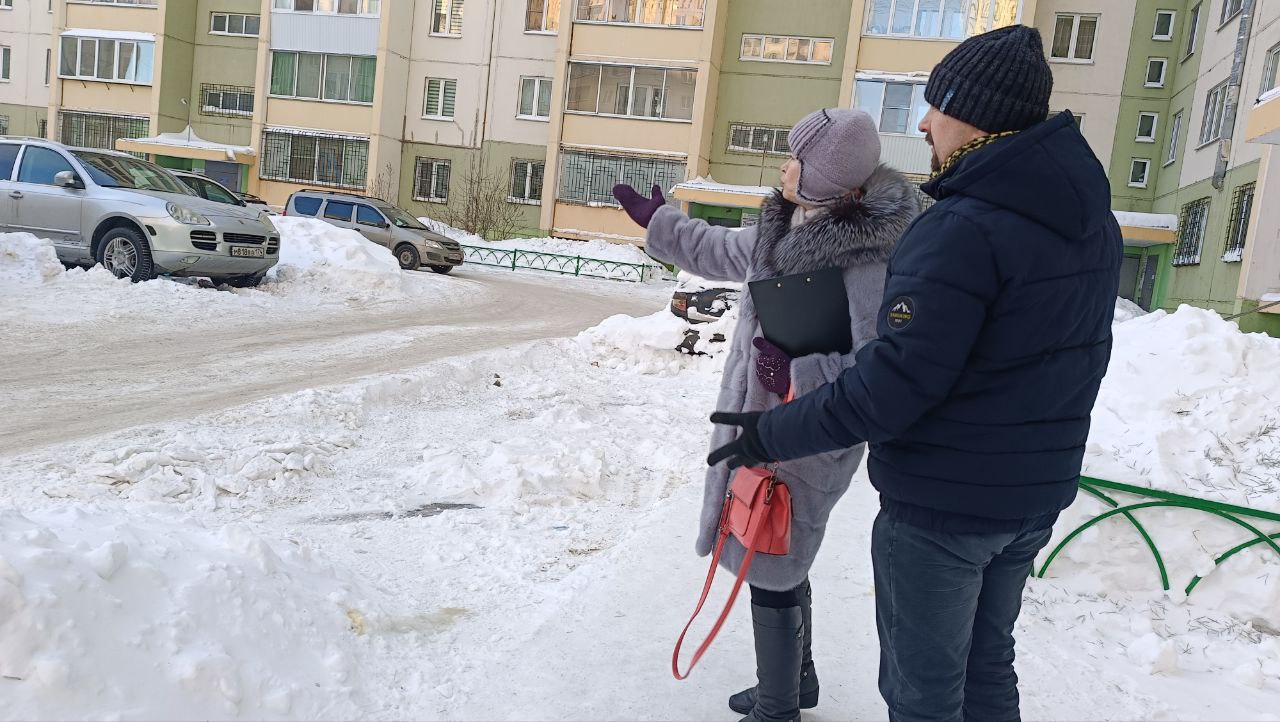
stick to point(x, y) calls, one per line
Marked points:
point(130, 369)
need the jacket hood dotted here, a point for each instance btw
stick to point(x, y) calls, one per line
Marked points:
point(845, 234)
point(1047, 173)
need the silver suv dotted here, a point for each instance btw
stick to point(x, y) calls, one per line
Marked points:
point(413, 244)
point(133, 217)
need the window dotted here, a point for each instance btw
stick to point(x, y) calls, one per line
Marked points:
point(1074, 37)
point(48, 64)
point(1138, 169)
point(143, 3)
point(338, 78)
point(4, 130)
point(1147, 127)
point(97, 130)
point(446, 17)
point(234, 24)
point(4, 62)
point(42, 127)
point(339, 211)
point(1193, 31)
point(1077, 117)
point(307, 157)
point(341, 7)
point(589, 178)
point(637, 92)
point(369, 216)
point(948, 19)
point(1230, 9)
point(535, 98)
point(1238, 227)
point(233, 101)
point(8, 152)
point(306, 205)
point(40, 165)
point(1171, 152)
point(542, 16)
point(786, 49)
point(756, 139)
point(209, 190)
point(1191, 227)
point(1164, 25)
point(897, 107)
point(431, 180)
point(674, 13)
point(1270, 66)
point(1214, 110)
point(1155, 72)
point(439, 99)
point(113, 61)
point(6, 4)
point(526, 181)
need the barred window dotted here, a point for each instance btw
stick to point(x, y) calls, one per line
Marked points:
point(42, 127)
point(1238, 228)
point(431, 180)
point(4, 125)
point(1191, 227)
point(590, 177)
point(319, 158)
point(98, 130)
point(234, 101)
point(758, 139)
point(526, 181)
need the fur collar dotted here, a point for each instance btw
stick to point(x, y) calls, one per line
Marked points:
point(850, 232)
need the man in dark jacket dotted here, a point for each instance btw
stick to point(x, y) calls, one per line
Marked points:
point(994, 336)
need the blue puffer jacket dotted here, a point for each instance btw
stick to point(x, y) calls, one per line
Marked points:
point(994, 336)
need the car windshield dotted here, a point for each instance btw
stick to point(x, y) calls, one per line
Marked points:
point(114, 171)
point(402, 219)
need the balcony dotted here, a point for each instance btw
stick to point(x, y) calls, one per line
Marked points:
point(325, 33)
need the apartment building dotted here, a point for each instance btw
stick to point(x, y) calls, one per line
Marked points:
point(25, 65)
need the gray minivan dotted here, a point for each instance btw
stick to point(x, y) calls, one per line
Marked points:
point(413, 244)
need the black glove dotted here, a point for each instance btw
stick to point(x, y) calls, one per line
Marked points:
point(748, 449)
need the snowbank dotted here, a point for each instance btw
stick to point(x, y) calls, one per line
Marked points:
point(123, 615)
point(1127, 310)
point(318, 258)
point(27, 260)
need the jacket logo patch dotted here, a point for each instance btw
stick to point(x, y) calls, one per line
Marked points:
point(901, 312)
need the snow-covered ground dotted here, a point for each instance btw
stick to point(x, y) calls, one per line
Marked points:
point(505, 531)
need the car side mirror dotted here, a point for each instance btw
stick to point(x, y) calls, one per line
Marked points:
point(67, 179)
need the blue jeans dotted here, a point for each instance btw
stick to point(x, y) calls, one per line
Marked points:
point(946, 604)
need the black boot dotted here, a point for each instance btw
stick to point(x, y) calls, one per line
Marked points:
point(779, 638)
point(744, 701)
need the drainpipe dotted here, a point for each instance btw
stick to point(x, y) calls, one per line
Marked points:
point(1233, 94)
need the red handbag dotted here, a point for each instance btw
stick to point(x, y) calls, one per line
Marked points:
point(757, 512)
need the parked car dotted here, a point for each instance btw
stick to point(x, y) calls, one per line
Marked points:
point(133, 217)
point(210, 189)
point(414, 245)
point(253, 201)
point(700, 301)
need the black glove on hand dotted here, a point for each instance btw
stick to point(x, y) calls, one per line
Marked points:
point(747, 450)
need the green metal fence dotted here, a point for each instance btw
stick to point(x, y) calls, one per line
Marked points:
point(515, 258)
point(1241, 516)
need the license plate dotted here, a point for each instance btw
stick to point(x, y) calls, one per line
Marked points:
point(248, 252)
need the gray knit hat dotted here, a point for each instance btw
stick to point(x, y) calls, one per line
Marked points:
point(838, 149)
point(996, 81)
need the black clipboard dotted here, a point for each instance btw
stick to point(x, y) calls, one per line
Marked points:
point(805, 313)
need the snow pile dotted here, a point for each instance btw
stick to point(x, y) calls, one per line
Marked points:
point(104, 614)
point(1127, 310)
point(318, 258)
point(26, 260)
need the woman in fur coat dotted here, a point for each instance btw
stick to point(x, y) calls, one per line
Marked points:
point(838, 207)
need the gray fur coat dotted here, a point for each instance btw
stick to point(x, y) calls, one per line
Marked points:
point(857, 236)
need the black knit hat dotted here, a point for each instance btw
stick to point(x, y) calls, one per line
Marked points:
point(995, 82)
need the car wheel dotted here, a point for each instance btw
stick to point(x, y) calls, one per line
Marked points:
point(126, 254)
point(408, 257)
point(442, 269)
point(244, 281)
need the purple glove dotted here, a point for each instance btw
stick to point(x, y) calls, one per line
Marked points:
point(773, 366)
point(640, 209)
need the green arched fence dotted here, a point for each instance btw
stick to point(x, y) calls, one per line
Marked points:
point(514, 258)
point(1242, 516)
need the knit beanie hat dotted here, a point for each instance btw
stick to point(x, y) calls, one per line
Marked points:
point(997, 81)
point(838, 149)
